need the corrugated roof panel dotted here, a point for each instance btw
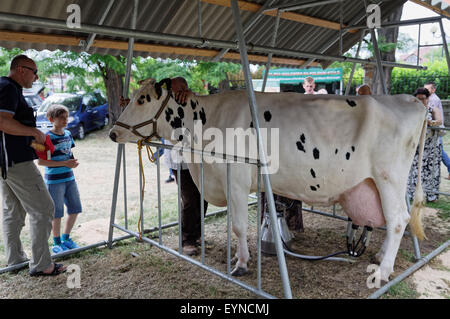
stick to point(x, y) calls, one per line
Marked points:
point(180, 17)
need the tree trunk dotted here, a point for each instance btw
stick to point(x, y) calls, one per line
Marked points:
point(114, 87)
point(390, 35)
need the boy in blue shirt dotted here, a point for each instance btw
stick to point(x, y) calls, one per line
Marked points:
point(60, 179)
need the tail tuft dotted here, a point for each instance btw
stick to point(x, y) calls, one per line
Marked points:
point(416, 224)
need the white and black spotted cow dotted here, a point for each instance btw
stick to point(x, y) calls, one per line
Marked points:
point(356, 151)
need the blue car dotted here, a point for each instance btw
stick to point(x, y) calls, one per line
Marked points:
point(87, 112)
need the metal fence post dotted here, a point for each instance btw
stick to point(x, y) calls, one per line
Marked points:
point(262, 155)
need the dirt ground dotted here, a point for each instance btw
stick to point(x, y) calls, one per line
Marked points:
point(138, 270)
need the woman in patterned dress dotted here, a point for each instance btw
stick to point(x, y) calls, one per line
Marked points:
point(431, 176)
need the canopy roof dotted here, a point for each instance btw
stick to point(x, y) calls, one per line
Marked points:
point(313, 29)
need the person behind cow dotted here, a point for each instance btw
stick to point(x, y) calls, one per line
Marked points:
point(60, 179)
point(23, 189)
point(431, 154)
point(309, 85)
point(435, 101)
point(190, 202)
point(363, 90)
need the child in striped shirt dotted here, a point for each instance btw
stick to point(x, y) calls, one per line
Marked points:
point(60, 180)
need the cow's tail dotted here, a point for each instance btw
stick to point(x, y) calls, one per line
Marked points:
point(416, 210)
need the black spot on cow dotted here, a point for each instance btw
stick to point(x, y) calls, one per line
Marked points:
point(313, 174)
point(300, 146)
point(336, 151)
point(141, 99)
point(180, 138)
point(353, 148)
point(316, 153)
point(318, 186)
point(180, 112)
point(313, 188)
point(176, 123)
point(351, 103)
point(169, 112)
point(251, 124)
point(267, 116)
point(347, 156)
point(203, 116)
point(148, 98)
point(193, 104)
point(195, 116)
point(302, 138)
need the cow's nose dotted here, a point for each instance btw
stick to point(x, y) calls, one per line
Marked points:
point(113, 136)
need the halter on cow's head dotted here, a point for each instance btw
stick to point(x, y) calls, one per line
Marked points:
point(139, 119)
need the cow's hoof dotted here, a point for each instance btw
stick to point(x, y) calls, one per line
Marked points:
point(238, 271)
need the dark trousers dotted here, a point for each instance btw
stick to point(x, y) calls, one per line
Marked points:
point(190, 208)
point(294, 217)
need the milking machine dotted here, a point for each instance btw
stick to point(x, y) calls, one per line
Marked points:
point(354, 248)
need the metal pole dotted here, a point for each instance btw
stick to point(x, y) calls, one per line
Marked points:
point(258, 225)
point(247, 27)
point(115, 191)
point(91, 37)
point(180, 224)
point(125, 195)
point(341, 23)
point(332, 39)
point(202, 215)
point(199, 13)
point(350, 78)
point(444, 44)
point(180, 40)
point(262, 155)
point(302, 5)
point(158, 179)
point(378, 58)
point(394, 24)
point(228, 219)
point(269, 59)
point(418, 46)
point(410, 270)
point(130, 50)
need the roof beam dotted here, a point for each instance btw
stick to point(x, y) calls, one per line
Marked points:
point(301, 18)
point(28, 37)
point(429, 6)
point(180, 40)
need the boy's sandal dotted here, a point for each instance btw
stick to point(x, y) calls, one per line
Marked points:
point(58, 269)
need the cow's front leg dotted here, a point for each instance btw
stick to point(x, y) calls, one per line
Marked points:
point(239, 218)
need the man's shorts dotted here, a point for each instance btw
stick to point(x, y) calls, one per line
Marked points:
point(65, 193)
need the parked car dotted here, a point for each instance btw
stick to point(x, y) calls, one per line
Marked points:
point(87, 112)
point(33, 100)
point(32, 96)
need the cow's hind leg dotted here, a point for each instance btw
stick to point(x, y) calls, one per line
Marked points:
point(239, 217)
point(397, 217)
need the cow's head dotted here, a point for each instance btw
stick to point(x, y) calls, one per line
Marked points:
point(140, 117)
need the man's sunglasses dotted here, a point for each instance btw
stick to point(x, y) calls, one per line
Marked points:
point(35, 71)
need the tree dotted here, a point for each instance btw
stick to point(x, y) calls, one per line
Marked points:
point(5, 58)
point(387, 43)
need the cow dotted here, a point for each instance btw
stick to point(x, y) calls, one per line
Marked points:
point(356, 151)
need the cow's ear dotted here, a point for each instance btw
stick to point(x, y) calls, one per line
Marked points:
point(147, 81)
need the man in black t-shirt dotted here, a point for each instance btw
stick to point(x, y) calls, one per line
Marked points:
point(23, 189)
